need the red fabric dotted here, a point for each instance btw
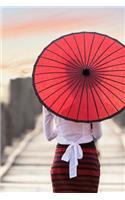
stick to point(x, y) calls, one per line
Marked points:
point(87, 150)
point(88, 171)
point(63, 88)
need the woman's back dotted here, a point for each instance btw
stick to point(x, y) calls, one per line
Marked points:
point(75, 155)
point(69, 131)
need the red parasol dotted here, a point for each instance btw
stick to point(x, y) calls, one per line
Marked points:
point(81, 77)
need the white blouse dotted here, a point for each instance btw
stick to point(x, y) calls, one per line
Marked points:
point(72, 133)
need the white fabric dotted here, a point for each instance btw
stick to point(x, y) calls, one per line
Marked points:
point(71, 155)
point(72, 133)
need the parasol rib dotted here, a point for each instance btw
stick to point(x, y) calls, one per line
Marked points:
point(66, 53)
point(111, 92)
point(109, 61)
point(103, 75)
point(106, 96)
point(65, 64)
point(100, 100)
point(87, 101)
point(108, 55)
point(59, 89)
point(64, 59)
point(69, 94)
point(94, 100)
point(51, 66)
point(90, 49)
point(111, 80)
point(57, 73)
point(103, 53)
point(56, 84)
point(110, 66)
point(72, 82)
point(72, 51)
point(97, 50)
point(78, 49)
point(113, 86)
point(84, 48)
point(80, 99)
point(74, 98)
point(50, 79)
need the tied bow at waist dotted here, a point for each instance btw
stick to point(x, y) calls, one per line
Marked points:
point(71, 155)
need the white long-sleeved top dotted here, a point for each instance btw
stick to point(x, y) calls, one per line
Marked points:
point(72, 133)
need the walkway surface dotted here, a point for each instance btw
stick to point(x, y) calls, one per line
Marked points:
point(31, 168)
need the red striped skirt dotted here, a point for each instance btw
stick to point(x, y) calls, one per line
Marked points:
point(88, 171)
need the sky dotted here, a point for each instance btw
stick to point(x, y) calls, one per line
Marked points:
point(26, 31)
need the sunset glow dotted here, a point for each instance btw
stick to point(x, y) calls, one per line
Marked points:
point(26, 31)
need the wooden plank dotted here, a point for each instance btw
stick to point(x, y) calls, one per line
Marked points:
point(17, 187)
point(29, 178)
point(31, 170)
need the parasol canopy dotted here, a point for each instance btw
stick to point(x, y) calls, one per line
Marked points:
point(81, 77)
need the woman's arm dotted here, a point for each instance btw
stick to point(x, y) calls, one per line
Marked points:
point(96, 130)
point(48, 126)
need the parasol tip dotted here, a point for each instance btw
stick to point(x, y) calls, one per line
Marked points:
point(86, 72)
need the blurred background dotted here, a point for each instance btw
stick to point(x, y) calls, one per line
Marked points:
point(25, 155)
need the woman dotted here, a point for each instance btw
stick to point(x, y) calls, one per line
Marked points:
point(75, 168)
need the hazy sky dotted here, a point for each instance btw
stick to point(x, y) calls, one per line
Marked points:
point(26, 31)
